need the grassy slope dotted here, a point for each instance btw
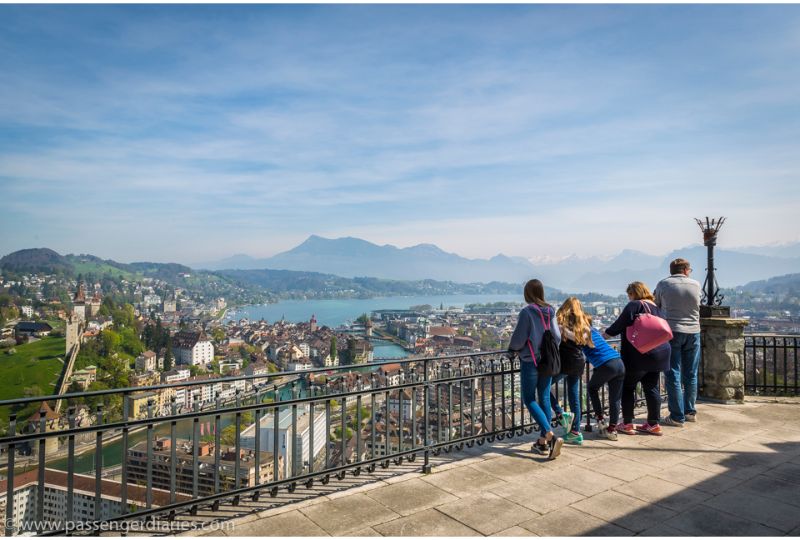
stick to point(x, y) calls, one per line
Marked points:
point(90, 267)
point(33, 364)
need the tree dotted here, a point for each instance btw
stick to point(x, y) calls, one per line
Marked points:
point(218, 334)
point(228, 435)
point(110, 342)
point(168, 356)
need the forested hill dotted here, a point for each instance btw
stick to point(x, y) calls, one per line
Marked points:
point(314, 284)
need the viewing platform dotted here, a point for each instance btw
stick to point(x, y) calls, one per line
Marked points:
point(736, 472)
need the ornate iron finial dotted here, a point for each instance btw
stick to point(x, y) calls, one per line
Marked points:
point(711, 302)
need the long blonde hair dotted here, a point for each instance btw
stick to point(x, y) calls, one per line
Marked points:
point(571, 315)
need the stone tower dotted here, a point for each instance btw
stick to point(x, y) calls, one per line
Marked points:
point(74, 331)
point(313, 323)
point(79, 303)
point(95, 303)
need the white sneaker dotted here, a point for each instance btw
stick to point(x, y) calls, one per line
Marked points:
point(691, 417)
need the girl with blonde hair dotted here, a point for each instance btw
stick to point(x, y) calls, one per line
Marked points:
point(576, 334)
point(607, 368)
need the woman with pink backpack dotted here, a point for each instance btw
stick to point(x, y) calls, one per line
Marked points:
point(645, 353)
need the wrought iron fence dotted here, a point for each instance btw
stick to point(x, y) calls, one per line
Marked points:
point(145, 452)
point(771, 364)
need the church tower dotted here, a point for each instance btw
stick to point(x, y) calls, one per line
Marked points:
point(313, 323)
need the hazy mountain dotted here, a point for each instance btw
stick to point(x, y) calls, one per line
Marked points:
point(789, 283)
point(352, 257)
point(786, 251)
point(732, 268)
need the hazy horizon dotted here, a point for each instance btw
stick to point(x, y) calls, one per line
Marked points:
point(190, 133)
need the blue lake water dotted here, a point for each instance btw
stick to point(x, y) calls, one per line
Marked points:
point(334, 313)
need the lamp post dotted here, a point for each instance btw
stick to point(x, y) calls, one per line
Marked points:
point(711, 302)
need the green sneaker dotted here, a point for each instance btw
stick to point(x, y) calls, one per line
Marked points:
point(566, 420)
point(573, 438)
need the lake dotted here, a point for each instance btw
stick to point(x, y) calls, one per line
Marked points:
point(336, 312)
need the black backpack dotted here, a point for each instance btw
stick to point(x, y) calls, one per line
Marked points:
point(573, 362)
point(549, 362)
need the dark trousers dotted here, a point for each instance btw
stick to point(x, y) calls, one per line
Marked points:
point(613, 374)
point(652, 395)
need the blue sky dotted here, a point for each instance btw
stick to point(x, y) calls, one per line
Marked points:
point(190, 133)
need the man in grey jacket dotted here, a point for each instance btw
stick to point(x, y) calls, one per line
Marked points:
point(679, 297)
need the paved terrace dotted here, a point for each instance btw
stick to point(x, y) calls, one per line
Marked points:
point(735, 472)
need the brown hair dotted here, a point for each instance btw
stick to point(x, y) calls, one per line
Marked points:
point(571, 315)
point(639, 291)
point(534, 293)
point(678, 266)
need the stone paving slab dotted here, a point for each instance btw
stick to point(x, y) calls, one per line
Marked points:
point(463, 481)
point(541, 497)
point(706, 521)
point(582, 481)
point(571, 522)
point(288, 524)
point(516, 531)
point(410, 497)
point(348, 514)
point(487, 513)
point(763, 510)
point(617, 466)
point(629, 512)
point(663, 493)
point(429, 522)
point(699, 479)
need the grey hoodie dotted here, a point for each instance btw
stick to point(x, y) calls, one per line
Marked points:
point(679, 297)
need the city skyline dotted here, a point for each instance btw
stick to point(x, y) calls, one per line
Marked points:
point(191, 133)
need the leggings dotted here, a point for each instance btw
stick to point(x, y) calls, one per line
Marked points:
point(613, 373)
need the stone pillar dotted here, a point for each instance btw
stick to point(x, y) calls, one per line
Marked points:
point(722, 370)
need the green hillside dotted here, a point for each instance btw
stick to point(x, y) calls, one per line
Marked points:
point(33, 369)
point(98, 268)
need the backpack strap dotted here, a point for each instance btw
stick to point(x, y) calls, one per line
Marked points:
point(530, 346)
point(549, 317)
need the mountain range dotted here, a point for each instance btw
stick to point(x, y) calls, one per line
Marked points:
point(353, 257)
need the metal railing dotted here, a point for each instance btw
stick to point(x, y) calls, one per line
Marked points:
point(771, 364)
point(286, 429)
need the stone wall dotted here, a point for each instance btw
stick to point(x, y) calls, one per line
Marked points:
point(723, 359)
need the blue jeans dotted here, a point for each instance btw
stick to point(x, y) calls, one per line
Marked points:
point(534, 386)
point(573, 397)
point(684, 362)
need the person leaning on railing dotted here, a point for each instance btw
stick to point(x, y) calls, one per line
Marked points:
point(679, 297)
point(640, 367)
point(526, 341)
